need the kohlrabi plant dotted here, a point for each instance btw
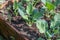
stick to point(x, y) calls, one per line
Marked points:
point(30, 15)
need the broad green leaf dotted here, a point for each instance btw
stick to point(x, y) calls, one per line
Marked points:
point(56, 21)
point(29, 8)
point(22, 8)
point(52, 12)
point(36, 14)
point(22, 14)
point(57, 17)
point(49, 6)
point(56, 31)
point(41, 25)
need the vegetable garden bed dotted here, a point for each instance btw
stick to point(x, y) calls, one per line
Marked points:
point(30, 20)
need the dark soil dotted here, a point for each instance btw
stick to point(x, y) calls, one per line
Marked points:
point(27, 31)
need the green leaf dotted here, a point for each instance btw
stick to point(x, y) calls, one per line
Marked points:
point(49, 6)
point(15, 7)
point(56, 31)
point(29, 8)
point(22, 14)
point(53, 24)
point(41, 25)
point(48, 34)
point(37, 14)
point(57, 2)
point(57, 17)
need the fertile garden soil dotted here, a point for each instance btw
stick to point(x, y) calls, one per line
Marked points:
point(29, 33)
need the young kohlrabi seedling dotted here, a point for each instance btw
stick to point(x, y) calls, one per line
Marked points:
point(31, 14)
